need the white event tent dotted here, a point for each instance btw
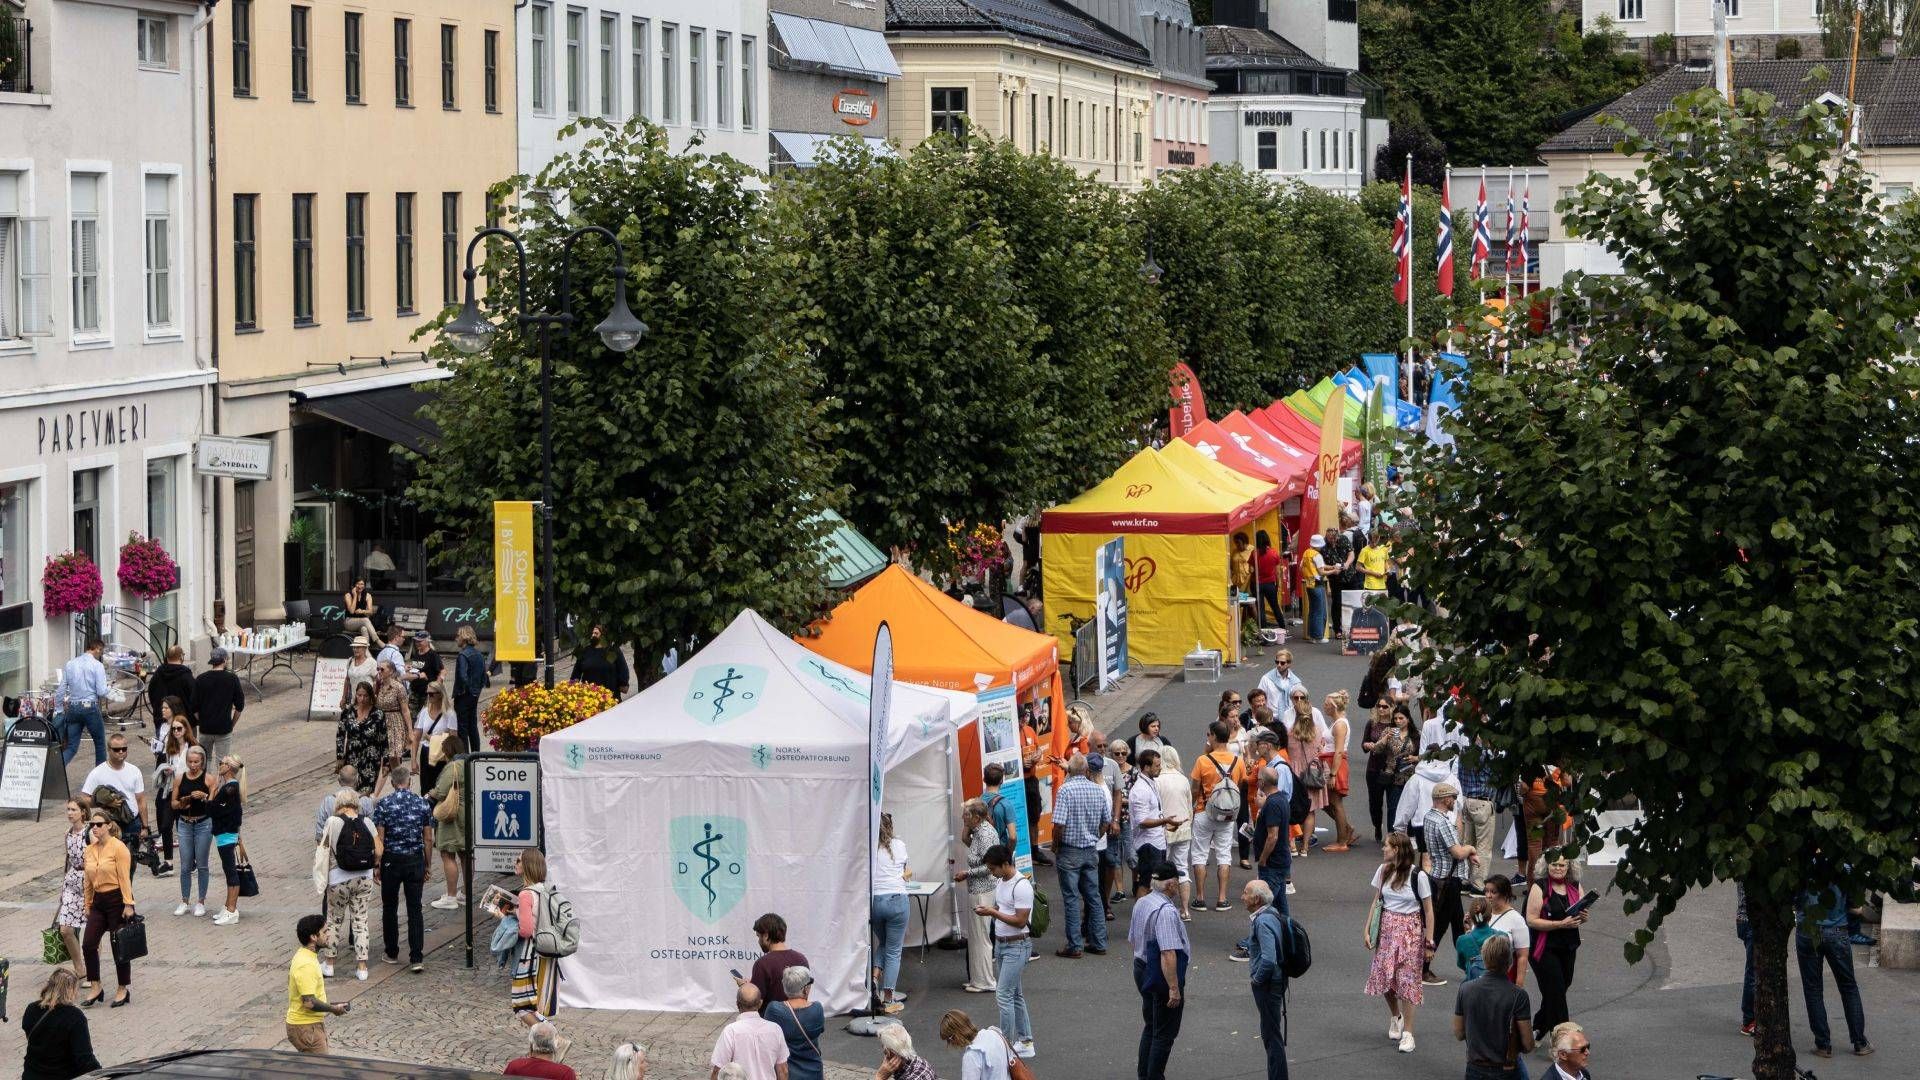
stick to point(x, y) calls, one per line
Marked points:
point(736, 786)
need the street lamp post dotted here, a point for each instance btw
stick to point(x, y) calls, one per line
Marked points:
point(620, 331)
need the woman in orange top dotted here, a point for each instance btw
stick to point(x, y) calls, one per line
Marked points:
point(107, 891)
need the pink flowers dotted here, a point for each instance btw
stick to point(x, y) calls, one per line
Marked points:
point(70, 584)
point(146, 570)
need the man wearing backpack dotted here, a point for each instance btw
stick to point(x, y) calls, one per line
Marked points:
point(405, 821)
point(1268, 975)
point(1218, 778)
point(998, 811)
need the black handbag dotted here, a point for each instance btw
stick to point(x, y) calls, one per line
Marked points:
point(130, 941)
point(243, 870)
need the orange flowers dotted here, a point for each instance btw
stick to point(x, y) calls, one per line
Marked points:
point(518, 717)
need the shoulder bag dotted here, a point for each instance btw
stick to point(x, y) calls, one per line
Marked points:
point(130, 941)
point(243, 872)
point(1374, 913)
point(449, 807)
point(1017, 1067)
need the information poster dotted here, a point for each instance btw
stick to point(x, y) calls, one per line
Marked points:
point(1000, 745)
point(1110, 610)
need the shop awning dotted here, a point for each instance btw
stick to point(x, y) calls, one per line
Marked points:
point(393, 413)
point(802, 148)
point(850, 557)
point(851, 50)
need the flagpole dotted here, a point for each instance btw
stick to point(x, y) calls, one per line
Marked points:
point(1479, 269)
point(1447, 201)
point(1410, 260)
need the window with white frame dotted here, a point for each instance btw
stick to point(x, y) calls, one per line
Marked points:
point(163, 527)
point(669, 74)
point(1636, 10)
point(637, 56)
point(86, 192)
point(1733, 9)
point(15, 674)
point(749, 84)
point(154, 46)
point(1267, 150)
point(540, 52)
point(723, 79)
point(609, 67)
point(1353, 160)
point(159, 237)
point(576, 60)
point(696, 77)
point(25, 296)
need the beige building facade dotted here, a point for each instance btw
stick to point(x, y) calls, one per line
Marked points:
point(354, 143)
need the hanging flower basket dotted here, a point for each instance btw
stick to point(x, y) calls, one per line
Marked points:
point(517, 718)
point(69, 585)
point(146, 570)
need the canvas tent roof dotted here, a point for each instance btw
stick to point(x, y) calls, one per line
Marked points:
point(1246, 456)
point(1259, 437)
point(1184, 455)
point(1291, 425)
point(1150, 495)
point(937, 640)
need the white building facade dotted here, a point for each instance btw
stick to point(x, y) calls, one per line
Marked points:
point(696, 67)
point(1754, 27)
point(102, 392)
point(1283, 113)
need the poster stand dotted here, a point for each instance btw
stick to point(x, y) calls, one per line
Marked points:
point(28, 767)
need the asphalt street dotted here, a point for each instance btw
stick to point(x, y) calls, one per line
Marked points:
point(1674, 1014)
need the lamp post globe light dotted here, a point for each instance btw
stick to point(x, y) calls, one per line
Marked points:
point(470, 332)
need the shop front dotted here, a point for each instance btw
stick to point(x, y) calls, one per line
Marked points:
point(84, 472)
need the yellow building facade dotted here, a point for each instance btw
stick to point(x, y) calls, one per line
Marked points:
point(1091, 111)
point(354, 145)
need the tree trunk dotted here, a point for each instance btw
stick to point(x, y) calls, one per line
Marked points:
point(1771, 923)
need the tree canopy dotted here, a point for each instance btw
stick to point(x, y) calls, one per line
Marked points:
point(1673, 547)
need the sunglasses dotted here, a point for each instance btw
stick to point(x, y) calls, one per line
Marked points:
point(116, 749)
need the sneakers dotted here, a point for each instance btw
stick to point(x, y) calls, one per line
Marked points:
point(1116, 898)
point(972, 989)
point(199, 911)
point(1823, 1051)
point(1222, 905)
point(445, 903)
point(1239, 956)
point(1863, 939)
point(416, 967)
point(390, 959)
point(1290, 889)
point(226, 918)
point(1428, 978)
point(326, 969)
point(893, 1007)
point(1096, 950)
point(361, 974)
point(1747, 1029)
point(1024, 1048)
point(1863, 1050)
point(1067, 952)
point(1396, 1027)
point(1406, 1042)
point(181, 909)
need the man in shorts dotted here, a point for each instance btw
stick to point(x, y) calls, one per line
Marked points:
point(1213, 837)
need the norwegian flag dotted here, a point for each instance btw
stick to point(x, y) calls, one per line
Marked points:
point(1403, 243)
point(1443, 245)
point(1482, 233)
point(1513, 247)
point(1526, 199)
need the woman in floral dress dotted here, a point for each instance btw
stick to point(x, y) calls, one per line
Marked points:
point(390, 696)
point(72, 917)
point(361, 740)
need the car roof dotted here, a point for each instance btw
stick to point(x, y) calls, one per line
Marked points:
point(269, 1064)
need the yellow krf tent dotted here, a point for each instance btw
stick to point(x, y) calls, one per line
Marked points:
point(1175, 528)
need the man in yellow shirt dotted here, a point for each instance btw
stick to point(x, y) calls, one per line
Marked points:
point(307, 1008)
point(1373, 565)
point(1313, 583)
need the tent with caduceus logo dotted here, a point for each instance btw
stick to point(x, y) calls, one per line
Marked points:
point(733, 787)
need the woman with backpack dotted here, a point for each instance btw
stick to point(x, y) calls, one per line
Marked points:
point(1403, 900)
point(353, 847)
point(535, 993)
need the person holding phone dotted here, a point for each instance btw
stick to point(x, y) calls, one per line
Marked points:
point(1555, 917)
point(898, 1061)
point(192, 804)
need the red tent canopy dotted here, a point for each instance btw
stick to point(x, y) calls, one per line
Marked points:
point(1292, 428)
point(1218, 444)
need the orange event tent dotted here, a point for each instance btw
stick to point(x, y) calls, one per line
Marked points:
point(939, 641)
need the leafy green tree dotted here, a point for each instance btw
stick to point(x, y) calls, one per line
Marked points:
point(1881, 22)
point(1666, 521)
point(1077, 267)
point(898, 280)
point(689, 472)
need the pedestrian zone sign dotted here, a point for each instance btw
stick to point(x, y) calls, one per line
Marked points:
point(504, 808)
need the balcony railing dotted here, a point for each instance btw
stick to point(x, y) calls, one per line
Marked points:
point(16, 54)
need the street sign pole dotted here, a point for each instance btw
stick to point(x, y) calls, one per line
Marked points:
point(500, 796)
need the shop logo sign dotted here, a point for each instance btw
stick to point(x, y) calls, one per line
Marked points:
point(837, 681)
point(723, 692)
point(1135, 491)
point(853, 107)
point(1140, 571)
point(709, 864)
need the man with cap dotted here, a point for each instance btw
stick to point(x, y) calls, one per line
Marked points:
point(218, 699)
point(1161, 950)
point(1082, 814)
point(423, 670)
point(1450, 862)
point(1313, 582)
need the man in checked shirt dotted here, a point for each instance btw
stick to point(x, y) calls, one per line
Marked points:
point(1082, 814)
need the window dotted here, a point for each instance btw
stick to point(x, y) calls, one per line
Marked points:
point(1897, 193)
point(637, 55)
point(403, 252)
point(162, 522)
point(1321, 161)
point(1267, 150)
point(15, 671)
point(353, 58)
point(1733, 9)
point(490, 56)
point(242, 48)
point(696, 77)
point(1139, 144)
point(722, 79)
point(25, 299)
point(1080, 129)
point(576, 59)
point(949, 114)
point(297, 38)
point(1306, 155)
point(403, 62)
point(1049, 142)
point(159, 205)
point(450, 248)
point(609, 70)
point(84, 250)
point(303, 260)
point(1033, 123)
point(540, 39)
point(669, 75)
point(245, 268)
point(449, 66)
point(356, 255)
point(1635, 10)
point(153, 41)
point(749, 84)
point(1353, 161)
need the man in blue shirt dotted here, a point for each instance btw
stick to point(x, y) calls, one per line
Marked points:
point(1082, 813)
point(998, 810)
point(1823, 936)
point(1269, 981)
point(83, 689)
point(405, 822)
point(1161, 950)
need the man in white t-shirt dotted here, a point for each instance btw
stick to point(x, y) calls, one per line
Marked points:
point(1150, 819)
point(1012, 945)
point(752, 1041)
point(1441, 732)
point(1176, 801)
point(127, 779)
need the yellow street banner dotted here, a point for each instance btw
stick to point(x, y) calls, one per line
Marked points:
point(513, 611)
point(1329, 463)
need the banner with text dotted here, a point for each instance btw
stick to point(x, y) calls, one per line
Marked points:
point(513, 591)
point(1000, 745)
point(1110, 610)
